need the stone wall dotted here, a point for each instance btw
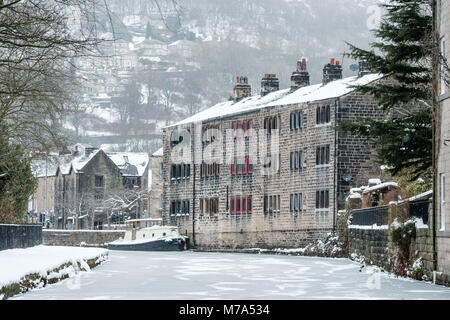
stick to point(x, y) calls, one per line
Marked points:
point(38, 200)
point(377, 248)
point(20, 236)
point(423, 244)
point(88, 238)
point(443, 150)
point(157, 187)
point(355, 155)
point(376, 245)
point(371, 244)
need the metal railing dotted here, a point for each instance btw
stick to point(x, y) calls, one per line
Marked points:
point(420, 209)
point(370, 216)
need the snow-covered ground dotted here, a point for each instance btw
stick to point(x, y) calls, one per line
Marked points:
point(16, 263)
point(194, 275)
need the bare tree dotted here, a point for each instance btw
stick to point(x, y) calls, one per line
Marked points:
point(124, 199)
point(36, 47)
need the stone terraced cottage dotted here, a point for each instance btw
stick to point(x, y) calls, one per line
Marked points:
point(271, 170)
point(88, 177)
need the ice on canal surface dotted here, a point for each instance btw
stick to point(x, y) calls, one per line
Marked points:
point(195, 275)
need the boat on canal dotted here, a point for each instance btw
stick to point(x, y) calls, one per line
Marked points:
point(149, 235)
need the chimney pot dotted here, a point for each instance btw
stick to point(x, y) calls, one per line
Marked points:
point(332, 72)
point(242, 89)
point(269, 83)
point(363, 68)
point(300, 77)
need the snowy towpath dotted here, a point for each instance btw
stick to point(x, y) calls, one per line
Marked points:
point(194, 275)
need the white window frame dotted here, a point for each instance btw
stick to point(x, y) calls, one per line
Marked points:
point(442, 207)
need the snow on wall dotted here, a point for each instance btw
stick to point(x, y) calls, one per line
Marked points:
point(380, 186)
point(17, 263)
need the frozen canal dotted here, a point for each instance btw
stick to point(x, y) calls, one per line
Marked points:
point(194, 275)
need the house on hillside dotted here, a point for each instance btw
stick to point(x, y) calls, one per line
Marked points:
point(152, 48)
point(182, 48)
point(270, 170)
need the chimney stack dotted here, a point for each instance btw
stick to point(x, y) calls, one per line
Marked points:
point(363, 68)
point(269, 83)
point(332, 71)
point(300, 77)
point(242, 89)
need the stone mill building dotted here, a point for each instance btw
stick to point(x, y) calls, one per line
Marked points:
point(271, 170)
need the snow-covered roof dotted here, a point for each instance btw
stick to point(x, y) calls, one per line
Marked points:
point(158, 153)
point(313, 93)
point(182, 42)
point(424, 195)
point(230, 107)
point(149, 43)
point(380, 186)
point(130, 163)
point(375, 181)
point(64, 162)
point(75, 162)
point(38, 167)
point(79, 162)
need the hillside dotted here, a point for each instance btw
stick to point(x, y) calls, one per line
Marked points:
point(175, 63)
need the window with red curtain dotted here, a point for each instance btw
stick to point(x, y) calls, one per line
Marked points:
point(239, 166)
point(249, 205)
point(241, 205)
point(244, 165)
point(239, 133)
point(249, 165)
point(238, 205)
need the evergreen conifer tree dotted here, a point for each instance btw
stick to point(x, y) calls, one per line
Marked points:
point(403, 54)
point(17, 182)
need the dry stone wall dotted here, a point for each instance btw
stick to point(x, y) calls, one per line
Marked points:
point(88, 238)
point(14, 236)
